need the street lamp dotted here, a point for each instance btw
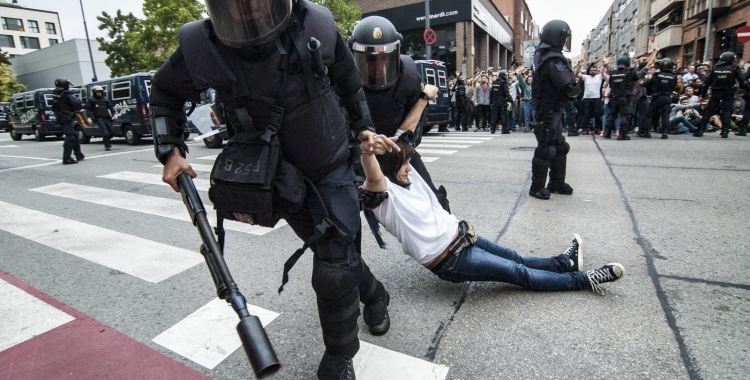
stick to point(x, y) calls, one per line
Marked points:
point(91, 55)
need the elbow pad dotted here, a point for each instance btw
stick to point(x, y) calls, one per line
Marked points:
point(168, 123)
point(572, 90)
point(359, 112)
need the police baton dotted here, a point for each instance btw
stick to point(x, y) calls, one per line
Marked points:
point(254, 339)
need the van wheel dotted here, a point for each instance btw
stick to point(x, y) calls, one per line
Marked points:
point(15, 135)
point(131, 137)
point(38, 135)
point(82, 138)
point(213, 142)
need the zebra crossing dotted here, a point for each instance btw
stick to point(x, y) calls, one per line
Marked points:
point(207, 336)
point(433, 147)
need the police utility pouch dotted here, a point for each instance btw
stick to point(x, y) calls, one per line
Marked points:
point(251, 182)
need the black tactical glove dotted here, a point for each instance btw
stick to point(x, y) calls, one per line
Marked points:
point(371, 199)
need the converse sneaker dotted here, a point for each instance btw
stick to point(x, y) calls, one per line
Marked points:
point(334, 367)
point(608, 273)
point(575, 254)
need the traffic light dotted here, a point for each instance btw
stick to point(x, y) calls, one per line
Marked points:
point(728, 40)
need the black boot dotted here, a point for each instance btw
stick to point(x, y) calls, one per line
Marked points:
point(699, 132)
point(376, 316)
point(608, 133)
point(68, 161)
point(664, 136)
point(623, 134)
point(724, 133)
point(741, 132)
point(560, 188)
point(334, 367)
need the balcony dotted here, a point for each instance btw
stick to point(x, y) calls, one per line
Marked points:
point(671, 36)
point(661, 8)
point(698, 9)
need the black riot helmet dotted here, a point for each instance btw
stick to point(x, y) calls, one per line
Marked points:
point(503, 74)
point(557, 34)
point(667, 64)
point(247, 23)
point(728, 57)
point(62, 84)
point(376, 46)
point(461, 80)
point(623, 62)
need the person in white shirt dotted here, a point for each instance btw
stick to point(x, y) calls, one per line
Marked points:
point(689, 75)
point(592, 95)
point(409, 210)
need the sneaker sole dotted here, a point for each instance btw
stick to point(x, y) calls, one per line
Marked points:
point(580, 251)
point(617, 267)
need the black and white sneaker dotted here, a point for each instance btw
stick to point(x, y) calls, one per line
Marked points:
point(608, 273)
point(575, 254)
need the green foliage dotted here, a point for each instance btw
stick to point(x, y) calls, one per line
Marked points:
point(345, 12)
point(8, 84)
point(4, 59)
point(144, 44)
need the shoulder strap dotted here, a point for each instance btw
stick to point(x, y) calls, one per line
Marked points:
point(304, 53)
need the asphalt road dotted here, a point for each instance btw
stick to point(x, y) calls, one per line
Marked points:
point(673, 212)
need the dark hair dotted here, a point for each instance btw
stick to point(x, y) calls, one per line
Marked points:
point(391, 162)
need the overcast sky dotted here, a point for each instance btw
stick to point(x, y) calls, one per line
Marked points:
point(581, 15)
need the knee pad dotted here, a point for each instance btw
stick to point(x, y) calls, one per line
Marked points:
point(545, 153)
point(562, 149)
point(335, 280)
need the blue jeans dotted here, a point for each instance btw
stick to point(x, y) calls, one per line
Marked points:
point(681, 125)
point(488, 261)
point(528, 113)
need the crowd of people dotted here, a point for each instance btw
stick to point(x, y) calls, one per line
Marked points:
point(588, 113)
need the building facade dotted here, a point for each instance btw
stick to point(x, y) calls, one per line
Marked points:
point(470, 33)
point(727, 15)
point(26, 30)
point(615, 35)
point(69, 59)
point(525, 30)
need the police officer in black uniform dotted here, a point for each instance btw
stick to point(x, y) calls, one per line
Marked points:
point(554, 85)
point(621, 83)
point(499, 99)
point(64, 105)
point(463, 117)
point(103, 112)
point(660, 85)
point(258, 56)
point(395, 93)
point(722, 80)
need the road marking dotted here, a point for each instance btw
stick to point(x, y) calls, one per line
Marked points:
point(32, 158)
point(428, 145)
point(459, 137)
point(164, 207)
point(138, 257)
point(25, 316)
point(212, 158)
point(152, 179)
point(453, 141)
point(209, 335)
point(436, 151)
point(430, 159)
point(8, 146)
point(196, 167)
point(376, 363)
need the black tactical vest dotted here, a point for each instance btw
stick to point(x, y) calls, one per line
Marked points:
point(663, 83)
point(500, 92)
point(543, 87)
point(723, 76)
point(622, 82)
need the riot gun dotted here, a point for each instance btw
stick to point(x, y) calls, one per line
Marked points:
point(254, 339)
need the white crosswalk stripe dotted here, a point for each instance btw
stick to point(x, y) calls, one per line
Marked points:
point(196, 167)
point(8, 146)
point(168, 208)
point(430, 145)
point(150, 261)
point(152, 179)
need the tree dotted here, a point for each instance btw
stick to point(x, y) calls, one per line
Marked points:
point(143, 45)
point(345, 12)
point(8, 84)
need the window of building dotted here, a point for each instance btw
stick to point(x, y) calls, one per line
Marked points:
point(687, 54)
point(12, 24)
point(7, 41)
point(121, 90)
point(29, 42)
point(52, 41)
point(33, 26)
point(50, 28)
point(522, 18)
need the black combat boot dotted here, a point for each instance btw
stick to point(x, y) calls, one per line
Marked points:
point(724, 133)
point(335, 367)
point(376, 316)
point(560, 188)
point(664, 136)
point(607, 133)
point(699, 132)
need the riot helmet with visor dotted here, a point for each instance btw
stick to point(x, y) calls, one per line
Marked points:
point(623, 62)
point(62, 84)
point(376, 46)
point(728, 57)
point(247, 23)
point(557, 34)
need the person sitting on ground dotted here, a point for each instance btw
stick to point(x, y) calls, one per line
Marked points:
point(409, 210)
point(678, 117)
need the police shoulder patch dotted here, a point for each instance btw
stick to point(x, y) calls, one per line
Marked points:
point(561, 66)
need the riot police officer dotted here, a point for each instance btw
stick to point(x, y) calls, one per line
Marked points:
point(103, 112)
point(554, 85)
point(395, 93)
point(64, 105)
point(660, 85)
point(621, 83)
point(722, 80)
point(267, 70)
point(463, 116)
point(499, 99)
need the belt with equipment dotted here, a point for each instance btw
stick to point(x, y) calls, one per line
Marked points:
point(466, 237)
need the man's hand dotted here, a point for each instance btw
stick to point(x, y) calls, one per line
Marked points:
point(371, 143)
point(431, 91)
point(114, 117)
point(88, 120)
point(175, 165)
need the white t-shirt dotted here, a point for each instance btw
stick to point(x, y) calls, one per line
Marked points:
point(593, 86)
point(414, 216)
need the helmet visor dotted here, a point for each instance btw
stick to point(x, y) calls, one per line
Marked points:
point(567, 44)
point(378, 65)
point(242, 23)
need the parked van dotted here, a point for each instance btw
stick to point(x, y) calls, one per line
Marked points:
point(129, 95)
point(4, 116)
point(31, 114)
point(438, 111)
